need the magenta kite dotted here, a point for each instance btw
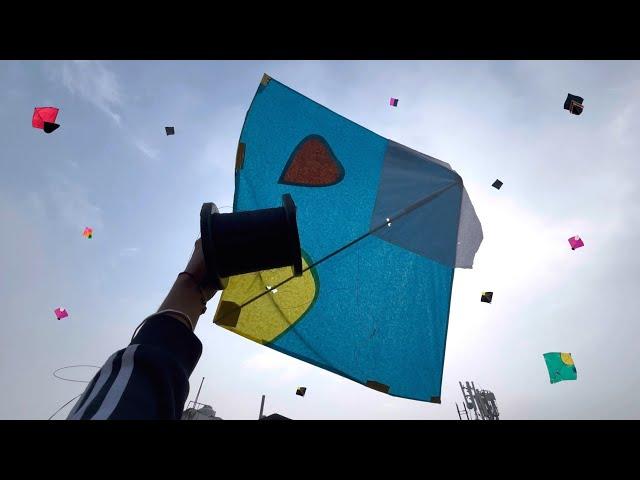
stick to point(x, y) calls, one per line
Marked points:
point(45, 118)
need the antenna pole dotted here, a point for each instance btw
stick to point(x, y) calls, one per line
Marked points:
point(481, 402)
point(261, 408)
point(197, 396)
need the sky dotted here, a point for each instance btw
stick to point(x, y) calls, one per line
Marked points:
point(110, 166)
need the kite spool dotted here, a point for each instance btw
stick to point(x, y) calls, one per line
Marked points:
point(244, 242)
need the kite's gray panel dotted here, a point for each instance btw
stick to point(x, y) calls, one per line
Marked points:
point(469, 233)
point(443, 226)
point(432, 191)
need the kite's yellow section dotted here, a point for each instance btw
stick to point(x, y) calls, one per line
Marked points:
point(269, 316)
point(566, 358)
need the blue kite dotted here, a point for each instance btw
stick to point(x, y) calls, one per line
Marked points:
point(376, 311)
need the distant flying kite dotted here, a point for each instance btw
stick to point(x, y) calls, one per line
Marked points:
point(486, 297)
point(391, 224)
point(393, 102)
point(573, 103)
point(44, 118)
point(88, 232)
point(497, 184)
point(576, 242)
point(170, 130)
point(301, 391)
point(560, 366)
point(61, 313)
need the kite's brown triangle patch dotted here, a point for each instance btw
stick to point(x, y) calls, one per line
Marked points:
point(227, 314)
point(435, 400)
point(312, 164)
point(381, 387)
point(240, 156)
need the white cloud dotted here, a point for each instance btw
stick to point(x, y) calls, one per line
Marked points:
point(219, 151)
point(146, 149)
point(94, 82)
point(621, 126)
point(71, 202)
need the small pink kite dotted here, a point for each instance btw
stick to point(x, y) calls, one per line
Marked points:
point(61, 313)
point(393, 102)
point(576, 242)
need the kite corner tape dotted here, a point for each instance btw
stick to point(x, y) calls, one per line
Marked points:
point(265, 79)
point(227, 315)
point(240, 156)
point(381, 387)
point(435, 400)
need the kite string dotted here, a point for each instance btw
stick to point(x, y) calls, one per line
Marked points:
point(361, 237)
point(64, 406)
point(70, 380)
point(387, 222)
point(73, 366)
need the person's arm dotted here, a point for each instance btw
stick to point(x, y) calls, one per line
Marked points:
point(150, 378)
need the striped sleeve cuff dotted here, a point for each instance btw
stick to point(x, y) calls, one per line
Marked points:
point(166, 332)
point(147, 380)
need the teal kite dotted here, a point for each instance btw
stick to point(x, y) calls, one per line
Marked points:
point(397, 222)
point(560, 366)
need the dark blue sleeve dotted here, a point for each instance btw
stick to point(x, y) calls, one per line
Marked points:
point(148, 380)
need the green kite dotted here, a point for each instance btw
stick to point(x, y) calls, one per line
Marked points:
point(560, 366)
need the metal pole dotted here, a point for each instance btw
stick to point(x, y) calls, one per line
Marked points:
point(468, 398)
point(478, 401)
point(474, 402)
point(197, 396)
point(261, 408)
point(464, 410)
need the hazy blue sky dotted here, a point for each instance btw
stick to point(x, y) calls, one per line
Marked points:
point(111, 166)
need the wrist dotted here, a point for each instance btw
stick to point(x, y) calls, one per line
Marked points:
point(192, 282)
point(188, 284)
point(179, 316)
point(184, 297)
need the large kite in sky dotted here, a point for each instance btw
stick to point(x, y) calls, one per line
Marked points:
point(377, 311)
